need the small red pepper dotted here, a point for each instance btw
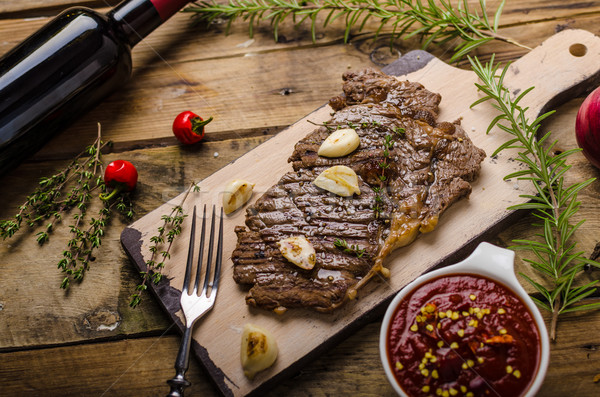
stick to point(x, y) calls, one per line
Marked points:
point(500, 339)
point(121, 176)
point(188, 127)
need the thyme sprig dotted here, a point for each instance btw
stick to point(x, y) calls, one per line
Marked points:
point(80, 248)
point(384, 165)
point(161, 247)
point(349, 249)
point(438, 21)
point(71, 190)
point(555, 253)
point(81, 175)
point(377, 201)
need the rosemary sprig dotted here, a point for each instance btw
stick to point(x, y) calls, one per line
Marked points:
point(555, 253)
point(438, 22)
point(170, 228)
point(349, 249)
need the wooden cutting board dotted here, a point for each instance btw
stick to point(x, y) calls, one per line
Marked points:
point(565, 65)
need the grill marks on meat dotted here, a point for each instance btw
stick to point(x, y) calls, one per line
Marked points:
point(422, 193)
point(295, 206)
point(430, 167)
point(372, 122)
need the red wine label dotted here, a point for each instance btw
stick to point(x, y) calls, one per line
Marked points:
point(166, 8)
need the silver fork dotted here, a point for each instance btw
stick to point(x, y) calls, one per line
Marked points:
point(193, 305)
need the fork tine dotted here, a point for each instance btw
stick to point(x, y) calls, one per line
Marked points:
point(190, 258)
point(210, 252)
point(219, 258)
point(201, 253)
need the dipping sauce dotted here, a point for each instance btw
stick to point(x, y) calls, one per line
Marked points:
point(463, 335)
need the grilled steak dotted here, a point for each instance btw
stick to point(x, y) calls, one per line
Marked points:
point(371, 86)
point(295, 206)
point(411, 168)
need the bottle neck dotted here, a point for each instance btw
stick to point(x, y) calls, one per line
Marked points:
point(136, 19)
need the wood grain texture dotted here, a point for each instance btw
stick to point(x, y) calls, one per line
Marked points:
point(46, 349)
point(140, 366)
point(183, 66)
point(45, 8)
point(98, 308)
point(466, 222)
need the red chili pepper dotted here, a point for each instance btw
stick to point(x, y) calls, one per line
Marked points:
point(188, 127)
point(120, 175)
point(500, 339)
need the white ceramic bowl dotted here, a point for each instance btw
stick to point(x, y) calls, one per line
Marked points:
point(489, 261)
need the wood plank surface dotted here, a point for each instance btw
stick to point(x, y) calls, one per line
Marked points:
point(36, 8)
point(209, 72)
point(57, 344)
point(466, 222)
point(139, 367)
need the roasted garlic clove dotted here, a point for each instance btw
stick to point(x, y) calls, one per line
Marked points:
point(259, 350)
point(299, 251)
point(338, 179)
point(340, 143)
point(237, 192)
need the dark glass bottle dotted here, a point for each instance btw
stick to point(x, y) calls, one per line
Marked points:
point(66, 68)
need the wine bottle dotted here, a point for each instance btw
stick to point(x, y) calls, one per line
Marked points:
point(66, 68)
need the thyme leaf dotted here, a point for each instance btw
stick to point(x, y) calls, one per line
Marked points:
point(161, 247)
point(349, 249)
point(71, 190)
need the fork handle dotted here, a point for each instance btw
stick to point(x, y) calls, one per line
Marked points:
point(179, 383)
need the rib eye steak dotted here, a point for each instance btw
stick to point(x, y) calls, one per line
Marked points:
point(295, 206)
point(410, 168)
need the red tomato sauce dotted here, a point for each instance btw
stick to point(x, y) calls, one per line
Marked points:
point(463, 335)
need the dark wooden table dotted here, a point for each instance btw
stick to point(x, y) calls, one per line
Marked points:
point(88, 341)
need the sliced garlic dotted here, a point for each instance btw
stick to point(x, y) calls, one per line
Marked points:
point(338, 179)
point(237, 192)
point(259, 350)
point(299, 251)
point(339, 143)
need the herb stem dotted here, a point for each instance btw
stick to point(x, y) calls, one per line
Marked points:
point(507, 40)
point(554, 255)
point(171, 228)
point(554, 319)
point(349, 249)
point(439, 22)
point(98, 162)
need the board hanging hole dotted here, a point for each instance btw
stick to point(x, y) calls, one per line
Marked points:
point(578, 50)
